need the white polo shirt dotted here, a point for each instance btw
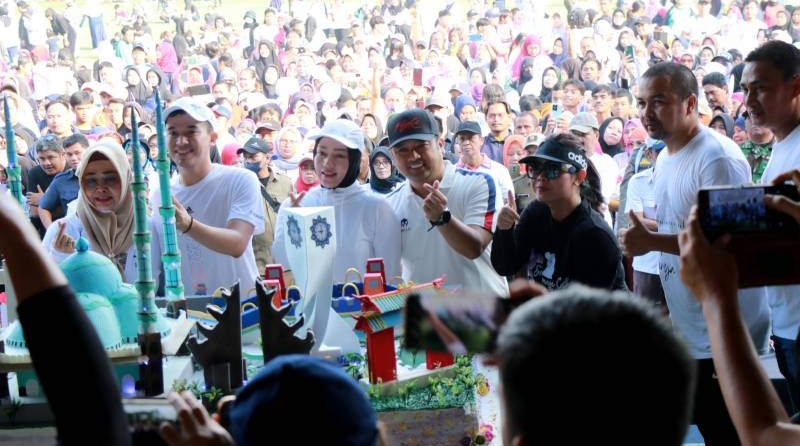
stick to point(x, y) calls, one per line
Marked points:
point(498, 171)
point(474, 199)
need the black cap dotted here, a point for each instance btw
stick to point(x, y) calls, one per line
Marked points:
point(551, 150)
point(255, 145)
point(411, 124)
point(469, 127)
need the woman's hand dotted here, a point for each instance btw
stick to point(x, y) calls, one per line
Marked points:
point(63, 243)
point(508, 216)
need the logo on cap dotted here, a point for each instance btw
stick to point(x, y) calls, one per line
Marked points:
point(578, 158)
point(407, 124)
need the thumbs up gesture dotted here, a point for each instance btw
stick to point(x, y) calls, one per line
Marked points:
point(508, 216)
point(635, 240)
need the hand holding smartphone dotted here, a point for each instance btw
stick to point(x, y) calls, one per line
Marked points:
point(764, 242)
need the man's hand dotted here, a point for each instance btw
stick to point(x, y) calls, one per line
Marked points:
point(782, 203)
point(196, 427)
point(508, 216)
point(635, 241)
point(708, 270)
point(182, 217)
point(34, 197)
point(63, 243)
point(435, 202)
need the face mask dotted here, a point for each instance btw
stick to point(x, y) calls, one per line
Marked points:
point(253, 167)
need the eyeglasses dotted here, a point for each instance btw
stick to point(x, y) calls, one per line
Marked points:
point(105, 181)
point(551, 170)
point(380, 163)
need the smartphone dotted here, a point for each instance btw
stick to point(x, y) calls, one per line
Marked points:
point(513, 169)
point(460, 323)
point(661, 36)
point(764, 242)
point(417, 77)
point(555, 112)
point(629, 51)
point(741, 210)
point(475, 37)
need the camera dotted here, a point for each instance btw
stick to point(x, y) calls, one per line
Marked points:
point(765, 242)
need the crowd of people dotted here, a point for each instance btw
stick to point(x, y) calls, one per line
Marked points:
point(484, 143)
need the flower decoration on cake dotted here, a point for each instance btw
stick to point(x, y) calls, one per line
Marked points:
point(293, 229)
point(321, 231)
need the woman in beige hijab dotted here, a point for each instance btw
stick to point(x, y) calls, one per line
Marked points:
point(104, 211)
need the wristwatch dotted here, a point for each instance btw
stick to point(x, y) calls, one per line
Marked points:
point(442, 220)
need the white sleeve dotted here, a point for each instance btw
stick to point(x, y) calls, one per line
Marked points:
point(246, 202)
point(71, 230)
point(483, 201)
point(634, 200)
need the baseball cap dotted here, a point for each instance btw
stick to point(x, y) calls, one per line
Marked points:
point(343, 131)
point(461, 87)
point(584, 122)
point(534, 139)
point(268, 409)
point(192, 107)
point(411, 124)
point(439, 100)
point(270, 125)
point(222, 110)
point(551, 150)
point(255, 145)
point(469, 127)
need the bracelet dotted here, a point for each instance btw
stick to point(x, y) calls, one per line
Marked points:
point(191, 222)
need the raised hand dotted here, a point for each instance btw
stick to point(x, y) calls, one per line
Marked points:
point(63, 242)
point(34, 197)
point(196, 427)
point(508, 216)
point(435, 202)
point(295, 199)
point(635, 239)
point(182, 217)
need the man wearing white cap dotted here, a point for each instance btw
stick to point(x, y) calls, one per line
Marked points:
point(217, 208)
point(366, 226)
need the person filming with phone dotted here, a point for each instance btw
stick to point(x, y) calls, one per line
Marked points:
point(559, 238)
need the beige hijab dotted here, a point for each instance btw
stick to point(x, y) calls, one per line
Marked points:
point(110, 234)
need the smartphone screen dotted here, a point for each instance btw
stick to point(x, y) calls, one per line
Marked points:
point(417, 77)
point(555, 112)
point(458, 323)
point(661, 36)
point(742, 210)
point(629, 51)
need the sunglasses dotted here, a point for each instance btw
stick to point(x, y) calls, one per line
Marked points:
point(551, 170)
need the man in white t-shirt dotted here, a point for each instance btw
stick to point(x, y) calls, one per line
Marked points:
point(469, 139)
point(641, 200)
point(447, 215)
point(217, 208)
point(696, 157)
point(777, 65)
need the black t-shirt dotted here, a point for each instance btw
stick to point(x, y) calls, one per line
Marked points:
point(37, 177)
point(579, 249)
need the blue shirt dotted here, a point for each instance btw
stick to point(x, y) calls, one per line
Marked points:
point(493, 147)
point(64, 188)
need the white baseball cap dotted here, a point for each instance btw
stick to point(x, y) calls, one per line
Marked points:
point(343, 131)
point(194, 108)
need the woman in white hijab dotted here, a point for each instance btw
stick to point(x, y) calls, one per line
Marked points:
point(104, 211)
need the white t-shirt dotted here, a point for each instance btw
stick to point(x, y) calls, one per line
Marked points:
point(708, 159)
point(225, 194)
point(366, 228)
point(784, 300)
point(472, 198)
point(642, 198)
